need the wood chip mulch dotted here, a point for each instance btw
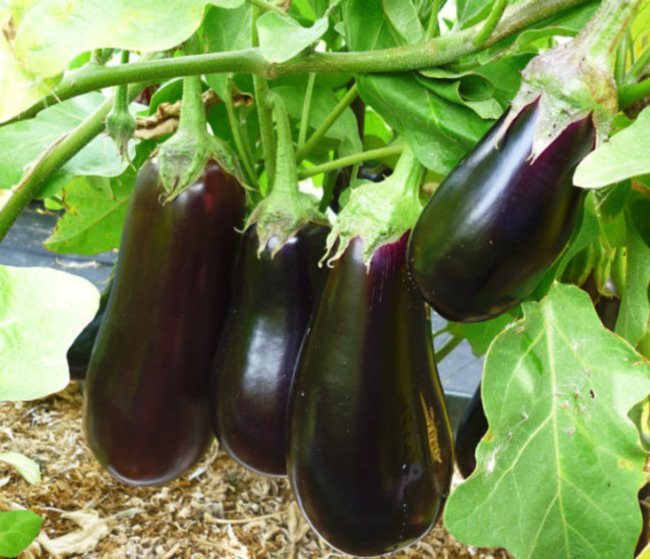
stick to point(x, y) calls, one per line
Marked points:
point(217, 510)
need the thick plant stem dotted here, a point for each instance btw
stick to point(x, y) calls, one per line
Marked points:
point(261, 88)
point(435, 52)
point(286, 176)
point(330, 119)
point(54, 158)
point(306, 108)
point(604, 31)
point(249, 168)
point(380, 153)
point(192, 119)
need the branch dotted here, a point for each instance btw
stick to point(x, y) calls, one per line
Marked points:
point(434, 52)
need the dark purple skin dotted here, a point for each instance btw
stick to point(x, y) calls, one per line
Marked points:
point(272, 301)
point(370, 453)
point(471, 429)
point(146, 413)
point(496, 223)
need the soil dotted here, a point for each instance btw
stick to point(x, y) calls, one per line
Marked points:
point(217, 510)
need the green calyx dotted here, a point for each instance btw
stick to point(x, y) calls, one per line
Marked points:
point(120, 123)
point(575, 80)
point(285, 210)
point(379, 213)
point(184, 156)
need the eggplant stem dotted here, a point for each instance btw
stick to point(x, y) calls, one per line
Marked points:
point(493, 19)
point(286, 176)
point(306, 108)
point(379, 153)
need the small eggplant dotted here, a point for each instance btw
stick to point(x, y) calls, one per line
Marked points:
point(370, 453)
point(273, 299)
point(146, 412)
point(498, 221)
point(471, 429)
point(80, 350)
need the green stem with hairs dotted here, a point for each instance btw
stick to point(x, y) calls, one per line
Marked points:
point(55, 157)
point(306, 108)
point(434, 52)
point(249, 168)
point(631, 93)
point(495, 15)
point(327, 123)
point(286, 176)
point(380, 153)
point(432, 27)
point(261, 88)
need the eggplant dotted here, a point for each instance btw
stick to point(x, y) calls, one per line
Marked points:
point(471, 429)
point(80, 350)
point(370, 454)
point(146, 413)
point(273, 299)
point(499, 220)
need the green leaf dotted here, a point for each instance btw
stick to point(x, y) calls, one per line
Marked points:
point(561, 462)
point(225, 30)
point(26, 467)
point(480, 334)
point(17, 530)
point(23, 142)
point(282, 37)
point(54, 32)
point(632, 322)
point(322, 102)
point(469, 12)
point(15, 78)
point(439, 131)
point(41, 312)
point(403, 16)
point(625, 156)
point(96, 210)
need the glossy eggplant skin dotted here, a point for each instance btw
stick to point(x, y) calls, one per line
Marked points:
point(498, 220)
point(471, 429)
point(80, 350)
point(146, 413)
point(273, 299)
point(370, 453)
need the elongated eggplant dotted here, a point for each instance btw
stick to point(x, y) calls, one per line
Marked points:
point(81, 348)
point(498, 220)
point(273, 299)
point(370, 450)
point(146, 412)
point(473, 425)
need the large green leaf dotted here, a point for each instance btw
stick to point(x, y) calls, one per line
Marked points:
point(23, 142)
point(96, 210)
point(559, 469)
point(282, 37)
point(625, 156)
point(54, 32)
point(41, 312)
point(17, 530)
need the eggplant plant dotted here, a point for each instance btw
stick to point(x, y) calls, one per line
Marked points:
point(287, 185)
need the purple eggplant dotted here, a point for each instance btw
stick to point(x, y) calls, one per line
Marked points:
point(273, 299)
point(146, 412)
point(370, 454)
point(496, 223)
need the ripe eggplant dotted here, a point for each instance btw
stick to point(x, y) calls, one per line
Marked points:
point(471, 429)
point(497, 222)
point(273, 299)
point(79, 352)
point(370, 453)
point(146, 412)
